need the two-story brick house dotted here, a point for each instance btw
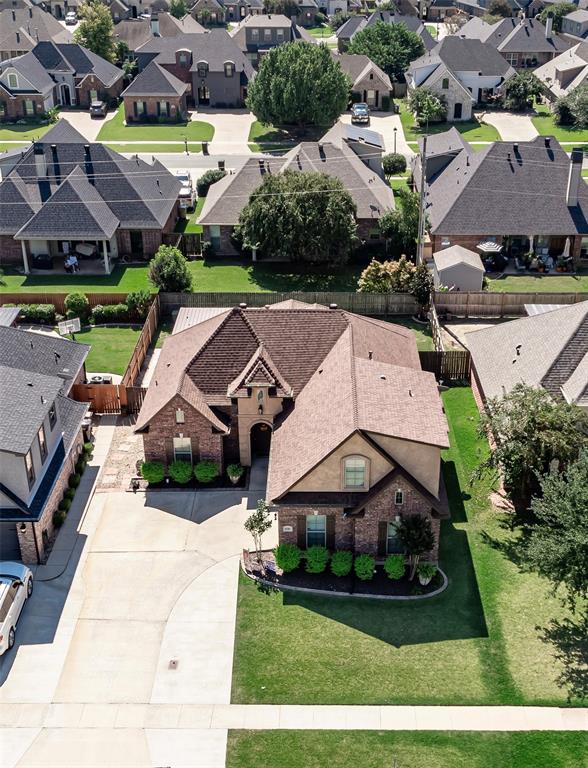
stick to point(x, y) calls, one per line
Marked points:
point(256, 35)
point(40, 435)
point(353, 427)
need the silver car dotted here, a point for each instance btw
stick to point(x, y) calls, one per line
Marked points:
point(16, 586)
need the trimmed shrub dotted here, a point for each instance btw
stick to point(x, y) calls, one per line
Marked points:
point(80, 465)
point(386, 103)
point(58, 518)
point(316, 559)
point(393, 163)
point(206, 471)
point(110, 313)
point(235, 471)
point(77, 305)
point(38, 313)
point(88, 448)
point(74, 480)
point(288, 557)
point(69, 493)
point(180, 471)
point(342, 563)
point(395, 566)
point(364, 567)
point(138, 303)
point(209, 177)
point(65, 504)
point(320, 18)
point(152, 471)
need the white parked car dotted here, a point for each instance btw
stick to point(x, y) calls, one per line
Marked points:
point(187, 195)
point(71, 18)
point(16, 586)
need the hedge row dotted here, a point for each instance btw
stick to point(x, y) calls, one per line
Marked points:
point(289, 556)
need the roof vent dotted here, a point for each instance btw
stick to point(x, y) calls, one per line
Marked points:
point(382, 377)
point(243, 305)
point(515, 147)
point(332, 306)
point(29, 384)
point(518, 349)
point(370, 354)
point(548, 141)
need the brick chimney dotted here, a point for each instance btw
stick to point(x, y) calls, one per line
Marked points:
point(549, 26)
point(574, 178)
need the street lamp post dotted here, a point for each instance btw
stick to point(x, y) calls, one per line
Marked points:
point(395, 130)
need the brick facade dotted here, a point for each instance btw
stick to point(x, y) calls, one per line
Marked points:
point(10, 251)
point(14, 106)
point(44, 530)
point(91, 83)
point(177, 108)
point(158, 440)
point(361, 534)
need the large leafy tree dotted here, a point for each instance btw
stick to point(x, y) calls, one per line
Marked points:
point(521, 90)
point(498, 9)
point(558, 12)
point(557, 547)
point(96, 29)
point(573, 108)
point(391, 46)
point(168, 270)
point(300, 216)
point(387, 276)
point(530, 431)
point(298, 84)
point(427, 106)
point(400, 227)
point(178, 8)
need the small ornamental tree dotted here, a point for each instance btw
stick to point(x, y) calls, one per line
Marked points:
point(258, 523)
point(421, 285)
point(300, 216)
point(387, 277)
point(416, 534)
point(298, 84)
point(168, 270)
point(96, 29)
point(391, 46)
point(393, 164)
point(400, 227)
point(521, 91)
point(427, 106)
point(178, 8)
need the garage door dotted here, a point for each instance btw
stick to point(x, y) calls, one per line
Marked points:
point(9, 549)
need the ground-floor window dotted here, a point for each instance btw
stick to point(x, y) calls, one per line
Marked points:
point(215, 236)
point(182, 449)
point(316, 530)
point(393, 543)
point(29, 107)
point(93, 95)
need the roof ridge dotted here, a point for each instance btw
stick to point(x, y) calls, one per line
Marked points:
point(355, 405)
point(568, 359)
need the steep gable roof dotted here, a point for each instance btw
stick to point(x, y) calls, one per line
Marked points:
point(155, 81)
point(70, 57)
point(465, 55)
point(524, 36)
point(30, 68)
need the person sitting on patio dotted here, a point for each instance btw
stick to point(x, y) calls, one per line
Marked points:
point(71, 264)
point(549, 263)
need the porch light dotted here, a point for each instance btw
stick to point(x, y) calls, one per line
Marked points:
point(260, 409)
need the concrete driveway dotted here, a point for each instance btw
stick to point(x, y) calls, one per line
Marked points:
point(511, 126)
point(231, 129)
point(385, 123)
point(81, 120)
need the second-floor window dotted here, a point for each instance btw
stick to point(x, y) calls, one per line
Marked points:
point(267, 35)
point(355, 472)
point(202, 68)
point(52, 416)
point(42, 443)
point(30, 468)
point(183, 59)
point(254, 35)
point(229, 69)
point(280, 35)
point(180, 418)
point(445, 84)
point(12, 80)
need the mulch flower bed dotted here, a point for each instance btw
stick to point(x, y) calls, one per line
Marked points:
point(221, 482)
point(326, 581)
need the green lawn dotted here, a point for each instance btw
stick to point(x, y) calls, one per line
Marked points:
point(154, 148)
point(406, 749)
point(472, 130)
point(5, 147)
point(424, 337)
point(112, 348)
point(432, 30)
point(23, 132)
point(545, 283)
point(116, 130)
point(323, 30)
point(546, 126)
point(477, 643)
point(189, 224)
point(265, 138)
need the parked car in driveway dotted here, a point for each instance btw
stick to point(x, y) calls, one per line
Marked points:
point(360, 113)
point(187, 195)
point(98, 109)
point(71, 18)
point(16, 586)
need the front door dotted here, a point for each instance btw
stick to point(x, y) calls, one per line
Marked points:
point(457, 111)
point(136, 243)
point(261, 437)
point(203, 95)
point(65, 95)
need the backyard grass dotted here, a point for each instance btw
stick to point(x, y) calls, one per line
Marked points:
point(406, 749)
point(23, 132)
point(189, 225)
point(112, 347)
point(323, 30)
point(476, 643)
point(545, 125)
point(543, 283)
point(472, 130)
point(116, 130)
point(153, 149)
point(424, 337)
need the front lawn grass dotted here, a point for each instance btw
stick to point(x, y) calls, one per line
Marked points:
point(27, 131)
point(4, 147)
point(471, 130)
point(322, 30)
point(265, 138)
point(116, 130)
point(404, 749)
point(541, 283)
point(546, 126)
point(112, 347)
point(153, 149)
point(476, 643)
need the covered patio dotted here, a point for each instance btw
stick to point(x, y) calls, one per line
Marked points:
point(532, 253)
point(90, 257)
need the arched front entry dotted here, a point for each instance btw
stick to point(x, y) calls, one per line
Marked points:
point(65, 94)
point(261, 438)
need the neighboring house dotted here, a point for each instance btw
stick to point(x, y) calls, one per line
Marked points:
point(332, 7)
point(26, 88)
point(67, 195)
point(439, 10)
point(40, 435)
point(481, 7)
point(366, 144)
point(372, 196)
point(8, 316)
point(458, 269)
point(256, 35)
point(442, 148)
point(136, 32)
point(548, 349)
point(59, 8)
point(155, 95)
point(525, 196)
point(562, 75)
point(524, 43)
point(355, 24)
point(462, 72)
point(132, 9)
point(353, 427)
point(575, 24)
point(369, 83)
point(22, 28)
point(211, 63)
point(208, 12)
point(236, 10)
point(307, 11)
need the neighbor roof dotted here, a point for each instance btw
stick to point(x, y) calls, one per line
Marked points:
point(8, 315)
point(347, 132)
point(505, 187)
point(356, 23)
point(155, 81)
point(457, 254)
point(548, 350)
point(77, 60)
point(461, 55)
point(357, 66)
point(575, 58)
point(30, 68)
point(33, 24)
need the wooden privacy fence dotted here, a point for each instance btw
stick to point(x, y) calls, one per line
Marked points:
point(110, 398)
point(142, 345)
point(451, 365)
point(361, 303)
point(58, 299)
point(484, 304)
point(436, 329)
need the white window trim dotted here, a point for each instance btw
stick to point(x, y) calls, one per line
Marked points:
point(401, 492)
point(182, 451)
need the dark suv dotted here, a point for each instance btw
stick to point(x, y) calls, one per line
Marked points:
point(360, 113)
point(98, 109)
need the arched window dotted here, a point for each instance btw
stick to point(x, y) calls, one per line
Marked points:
point(355, 472)
point(202, 68)
point(229, 69)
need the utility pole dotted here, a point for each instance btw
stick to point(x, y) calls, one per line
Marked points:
point(422, 202)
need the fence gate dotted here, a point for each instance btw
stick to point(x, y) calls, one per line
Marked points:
point(451, 365)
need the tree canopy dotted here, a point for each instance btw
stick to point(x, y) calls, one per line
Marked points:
point(96, 29)
point(178, 8)
point(308, 217)
point(427, 106)
point(391, 46)
point(573, 108)
point(387, 276)
point(298, 84)
point(500, 9)
point(521, 90)
point(400, 227)
point(530, 431)
point(168, 270)
point(558, 11)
